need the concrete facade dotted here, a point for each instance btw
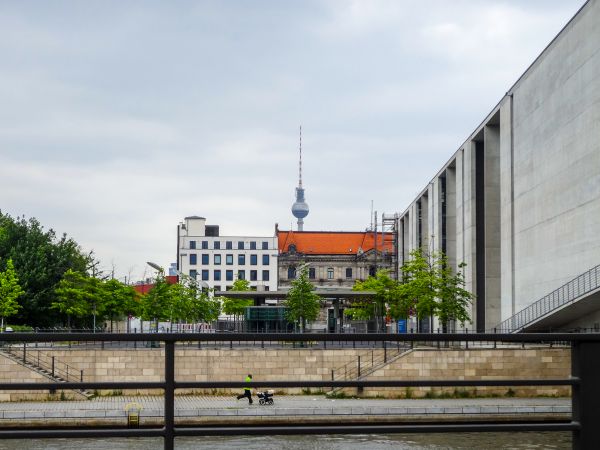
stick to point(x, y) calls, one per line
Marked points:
point(519, 200)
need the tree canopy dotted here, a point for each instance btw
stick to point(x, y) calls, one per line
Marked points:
point(40, 260)
point(428, 288)
point(301, 303)
point(10, 291)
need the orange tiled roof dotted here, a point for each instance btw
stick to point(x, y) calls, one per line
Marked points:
point(332, 242)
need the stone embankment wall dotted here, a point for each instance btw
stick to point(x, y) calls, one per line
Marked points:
point(477, 364)
point(280, 364)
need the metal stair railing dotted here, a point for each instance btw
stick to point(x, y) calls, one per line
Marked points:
point(567, 293)
point(45, 364)
point(373, 361)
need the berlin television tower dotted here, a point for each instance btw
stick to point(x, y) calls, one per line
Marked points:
point(300, 207)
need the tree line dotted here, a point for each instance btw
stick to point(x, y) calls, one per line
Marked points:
point(427, 288)
point(48, 281)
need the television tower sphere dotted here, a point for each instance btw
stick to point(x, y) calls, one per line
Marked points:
point(300, 207)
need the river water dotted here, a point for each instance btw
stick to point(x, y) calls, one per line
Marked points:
point(451, 441)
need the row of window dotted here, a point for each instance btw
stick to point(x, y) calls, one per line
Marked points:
point(241, 275)
point(229, 260)
point(228, 288)
point(229, 245)
point(312, 273)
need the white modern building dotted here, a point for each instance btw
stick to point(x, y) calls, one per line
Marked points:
point(220, 260)
point(519, 201)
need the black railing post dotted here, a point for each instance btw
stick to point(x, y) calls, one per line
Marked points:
point(53, 367)
point(169, 394)
point(24, 352)
point(384, 352)
point(585, 365)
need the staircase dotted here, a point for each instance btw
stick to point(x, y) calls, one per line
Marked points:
point(45, 365)
point(570, 292)
point(365, 366)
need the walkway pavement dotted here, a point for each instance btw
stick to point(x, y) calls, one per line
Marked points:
point(285, 406)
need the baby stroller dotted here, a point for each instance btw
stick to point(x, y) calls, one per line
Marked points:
point(265, 398)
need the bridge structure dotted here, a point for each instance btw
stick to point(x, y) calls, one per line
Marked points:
point(585, 371)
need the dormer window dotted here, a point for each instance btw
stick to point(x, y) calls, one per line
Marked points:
point(292, 248)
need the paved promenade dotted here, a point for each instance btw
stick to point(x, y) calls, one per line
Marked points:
point(112, 409)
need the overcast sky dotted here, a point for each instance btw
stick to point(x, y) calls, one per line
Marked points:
point(120, 118)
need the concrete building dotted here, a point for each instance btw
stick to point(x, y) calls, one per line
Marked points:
point(336, 259)
point(519, 201)
point(220, 260)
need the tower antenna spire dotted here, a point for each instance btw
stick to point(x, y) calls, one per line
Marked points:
point(300, 162)
point(300, 207)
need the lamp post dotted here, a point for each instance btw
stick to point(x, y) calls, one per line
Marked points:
point(160, 271)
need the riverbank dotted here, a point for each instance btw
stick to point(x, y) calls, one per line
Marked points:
point(226, 410)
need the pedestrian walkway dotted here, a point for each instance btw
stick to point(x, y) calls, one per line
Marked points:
point(189, 406)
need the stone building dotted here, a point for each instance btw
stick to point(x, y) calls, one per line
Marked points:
point(519, 200)
point(336, 259)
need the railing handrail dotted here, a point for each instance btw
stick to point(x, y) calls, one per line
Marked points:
point(556, 299)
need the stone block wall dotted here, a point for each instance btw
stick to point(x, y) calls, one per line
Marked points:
point(281, 364)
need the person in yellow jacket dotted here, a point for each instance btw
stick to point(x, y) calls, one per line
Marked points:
point(247, 390)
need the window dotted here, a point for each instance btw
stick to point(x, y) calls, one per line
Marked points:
point(266, 288)
point(312, 273)
point(330, 273)
point(291, 273)
point(229, 260)
point(229, 275)
point(241, 274)
point(217, 288)
point(252, 245)
point(240, 245)
point(265, 276)
point(205, 275)
point(265, 260)
point(193, 274)
point(217, 275)
point(265, 245)
point(228, 288)
point(217, 245)
point(228, 245)
point(205, 259)
point(241, 260)
point(348, 272)
point(253, 275)
point(192, 245)
point(204, 245)
point(193, 259)
point(372, 271)
point(253, 260)
point(217, 260)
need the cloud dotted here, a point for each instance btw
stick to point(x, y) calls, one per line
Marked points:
point(117, 120)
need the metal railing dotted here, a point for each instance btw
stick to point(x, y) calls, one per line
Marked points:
point(585, 371)
point(45, 363)
point(567, 293)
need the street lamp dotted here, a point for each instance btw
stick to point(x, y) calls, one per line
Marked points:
point(155, 266)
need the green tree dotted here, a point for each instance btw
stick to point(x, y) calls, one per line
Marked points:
point(117, 300)
point(237, 306)
point(75, 295)
point(383, 286)
point(10, 291)
point(301, 303)
point(40, 260)
point(156, 304)
point(454, 300)
point(429, 288)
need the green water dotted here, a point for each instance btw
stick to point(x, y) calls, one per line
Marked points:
point(454, 441)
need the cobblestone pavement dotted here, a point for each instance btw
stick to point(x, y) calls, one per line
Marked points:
point(188, 406)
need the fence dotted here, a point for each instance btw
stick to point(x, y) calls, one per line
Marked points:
point(585, 373)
